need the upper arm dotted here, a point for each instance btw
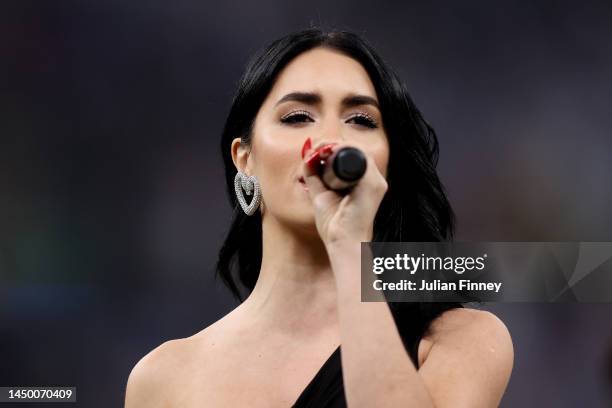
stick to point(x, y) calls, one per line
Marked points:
point(145, 385)
point(470, 361)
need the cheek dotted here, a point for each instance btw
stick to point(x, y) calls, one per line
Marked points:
point(380, 154)
point(382, 162)
point(275, 146)
point(276, 163)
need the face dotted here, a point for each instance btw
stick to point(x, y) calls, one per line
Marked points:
point(335, 102)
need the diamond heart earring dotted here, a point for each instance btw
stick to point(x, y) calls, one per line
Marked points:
point(250, 184)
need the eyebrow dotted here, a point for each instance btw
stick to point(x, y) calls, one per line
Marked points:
point(311, 98)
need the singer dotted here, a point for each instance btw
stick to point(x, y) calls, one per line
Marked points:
point(301, 336)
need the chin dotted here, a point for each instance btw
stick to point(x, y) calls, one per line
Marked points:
point(302, 219)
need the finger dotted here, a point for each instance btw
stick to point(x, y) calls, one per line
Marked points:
point(373, 180)
point(312, 180)
point(315, 158)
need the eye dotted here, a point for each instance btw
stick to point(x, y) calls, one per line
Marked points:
point(296, 117)
point(363, 119)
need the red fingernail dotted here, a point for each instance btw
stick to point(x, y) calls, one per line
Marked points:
point(327, 149)
point(306, 147)
point(314, 160)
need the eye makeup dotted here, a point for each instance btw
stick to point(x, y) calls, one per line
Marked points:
point(299, 116)
point(365, 119)
point(293, 116)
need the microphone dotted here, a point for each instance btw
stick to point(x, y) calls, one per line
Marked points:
point(342, 169)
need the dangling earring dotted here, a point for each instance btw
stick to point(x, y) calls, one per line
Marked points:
point(249, 183)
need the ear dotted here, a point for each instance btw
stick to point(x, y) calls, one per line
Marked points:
point(240, 155)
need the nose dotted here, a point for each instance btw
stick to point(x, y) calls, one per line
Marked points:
point(329, 131)
point(322, 142)
point(328, 134)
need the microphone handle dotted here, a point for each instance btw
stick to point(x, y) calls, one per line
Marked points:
point(343, 169)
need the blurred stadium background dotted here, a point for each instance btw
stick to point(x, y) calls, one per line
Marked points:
point(112, 200)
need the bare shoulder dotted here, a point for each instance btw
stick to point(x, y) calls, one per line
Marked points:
point(473, 331)
point(162, 371)
point(472, 349)
point(150, 381)
point(466, 321)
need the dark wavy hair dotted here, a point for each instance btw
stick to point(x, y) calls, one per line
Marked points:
point(415, 207)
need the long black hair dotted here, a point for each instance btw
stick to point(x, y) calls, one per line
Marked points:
point(415, 207)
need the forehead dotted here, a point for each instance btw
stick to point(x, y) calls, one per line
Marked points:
point(323, 70)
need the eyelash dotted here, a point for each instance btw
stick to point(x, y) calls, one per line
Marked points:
point(368, 121)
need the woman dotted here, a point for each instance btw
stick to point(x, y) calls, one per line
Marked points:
point(302, 337)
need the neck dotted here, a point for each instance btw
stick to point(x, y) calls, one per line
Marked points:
point(295, 292)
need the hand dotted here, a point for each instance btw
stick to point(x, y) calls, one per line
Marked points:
point(345, 217)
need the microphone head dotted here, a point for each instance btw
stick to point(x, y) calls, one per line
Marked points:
point(349, 164)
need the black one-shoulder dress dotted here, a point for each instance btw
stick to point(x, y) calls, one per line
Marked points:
point(326, 389)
